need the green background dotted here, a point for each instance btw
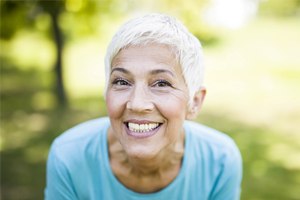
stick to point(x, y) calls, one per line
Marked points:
point(252, 78)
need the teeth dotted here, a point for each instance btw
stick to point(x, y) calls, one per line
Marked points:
point(141, 128)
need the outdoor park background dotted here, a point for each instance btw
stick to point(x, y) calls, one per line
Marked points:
point(252, 54)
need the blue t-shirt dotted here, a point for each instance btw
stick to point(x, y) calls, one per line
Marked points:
point(78, 167)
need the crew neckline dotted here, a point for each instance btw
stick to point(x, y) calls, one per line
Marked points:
point(130, 192)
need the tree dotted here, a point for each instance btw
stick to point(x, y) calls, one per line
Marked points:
point(17, 15)
point(54, 9)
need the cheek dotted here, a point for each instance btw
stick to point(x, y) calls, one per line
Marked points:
point(115, 105)
point(174, 107)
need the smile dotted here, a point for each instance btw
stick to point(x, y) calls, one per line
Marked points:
point(141, 128)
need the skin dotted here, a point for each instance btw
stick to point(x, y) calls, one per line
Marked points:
point(146, 86)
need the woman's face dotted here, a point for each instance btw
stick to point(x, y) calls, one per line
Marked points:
point(146, 100)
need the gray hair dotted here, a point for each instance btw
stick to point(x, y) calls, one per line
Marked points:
point(166, 30)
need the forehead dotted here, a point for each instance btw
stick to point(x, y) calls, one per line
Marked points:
point(151, 55)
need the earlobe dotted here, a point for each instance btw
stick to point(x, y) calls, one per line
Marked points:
point(196, 104)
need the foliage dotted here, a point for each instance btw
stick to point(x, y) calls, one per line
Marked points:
point(57, 15)
point(280, 8)
point(12, 16)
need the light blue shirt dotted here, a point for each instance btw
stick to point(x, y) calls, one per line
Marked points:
point(78, 167)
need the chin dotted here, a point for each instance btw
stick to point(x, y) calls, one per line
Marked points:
point(143, 152)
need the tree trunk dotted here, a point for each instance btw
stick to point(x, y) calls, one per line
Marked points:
point(60, 89)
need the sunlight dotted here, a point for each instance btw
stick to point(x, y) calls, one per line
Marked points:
point(84, 68)
point(30, 50)
point(231, 13)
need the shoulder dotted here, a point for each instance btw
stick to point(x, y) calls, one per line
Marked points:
point(82, 138)
point(211, 142)
point(82, 131)
point(217, 160)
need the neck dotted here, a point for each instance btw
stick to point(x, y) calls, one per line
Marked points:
point(159, 164)
point(170, 156)
point(145, 174)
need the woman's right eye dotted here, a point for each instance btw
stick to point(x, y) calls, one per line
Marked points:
point(120, 82)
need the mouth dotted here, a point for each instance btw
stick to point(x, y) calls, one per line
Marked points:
point(142, 130)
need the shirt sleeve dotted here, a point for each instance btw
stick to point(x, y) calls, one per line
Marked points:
point(228, 182)
point(59, 184)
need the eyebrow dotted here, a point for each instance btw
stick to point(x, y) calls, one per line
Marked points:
point(158, 71)
point(125, 71)
point(153, 72)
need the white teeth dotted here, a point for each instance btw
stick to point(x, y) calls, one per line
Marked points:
point(141, 128)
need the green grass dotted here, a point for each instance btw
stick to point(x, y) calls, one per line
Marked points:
point(253, 78)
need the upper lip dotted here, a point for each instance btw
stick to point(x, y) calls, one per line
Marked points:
point(143, 121)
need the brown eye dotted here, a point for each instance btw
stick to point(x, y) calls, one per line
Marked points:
point(162, 83)
point(120, 82)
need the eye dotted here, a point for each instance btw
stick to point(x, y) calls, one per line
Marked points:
point(162, 83)
point(120, 82)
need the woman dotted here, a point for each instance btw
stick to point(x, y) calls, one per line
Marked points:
point(147, 148)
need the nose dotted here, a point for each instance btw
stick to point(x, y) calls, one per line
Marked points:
point(140, 100)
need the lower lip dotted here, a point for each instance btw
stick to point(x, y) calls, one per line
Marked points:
point(142, 135)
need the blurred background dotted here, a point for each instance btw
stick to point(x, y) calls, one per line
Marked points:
point(52, 77)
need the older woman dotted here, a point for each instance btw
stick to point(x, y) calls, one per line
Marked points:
point(147, 148)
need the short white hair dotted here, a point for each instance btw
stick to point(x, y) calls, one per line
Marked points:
point(166, 30)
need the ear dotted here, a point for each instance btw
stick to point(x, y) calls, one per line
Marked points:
point(196, 103)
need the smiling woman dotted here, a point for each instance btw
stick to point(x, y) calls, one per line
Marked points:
point(153, 93)
point(147, 148)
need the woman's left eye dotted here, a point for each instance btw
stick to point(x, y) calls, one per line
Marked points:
point(162, 83)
